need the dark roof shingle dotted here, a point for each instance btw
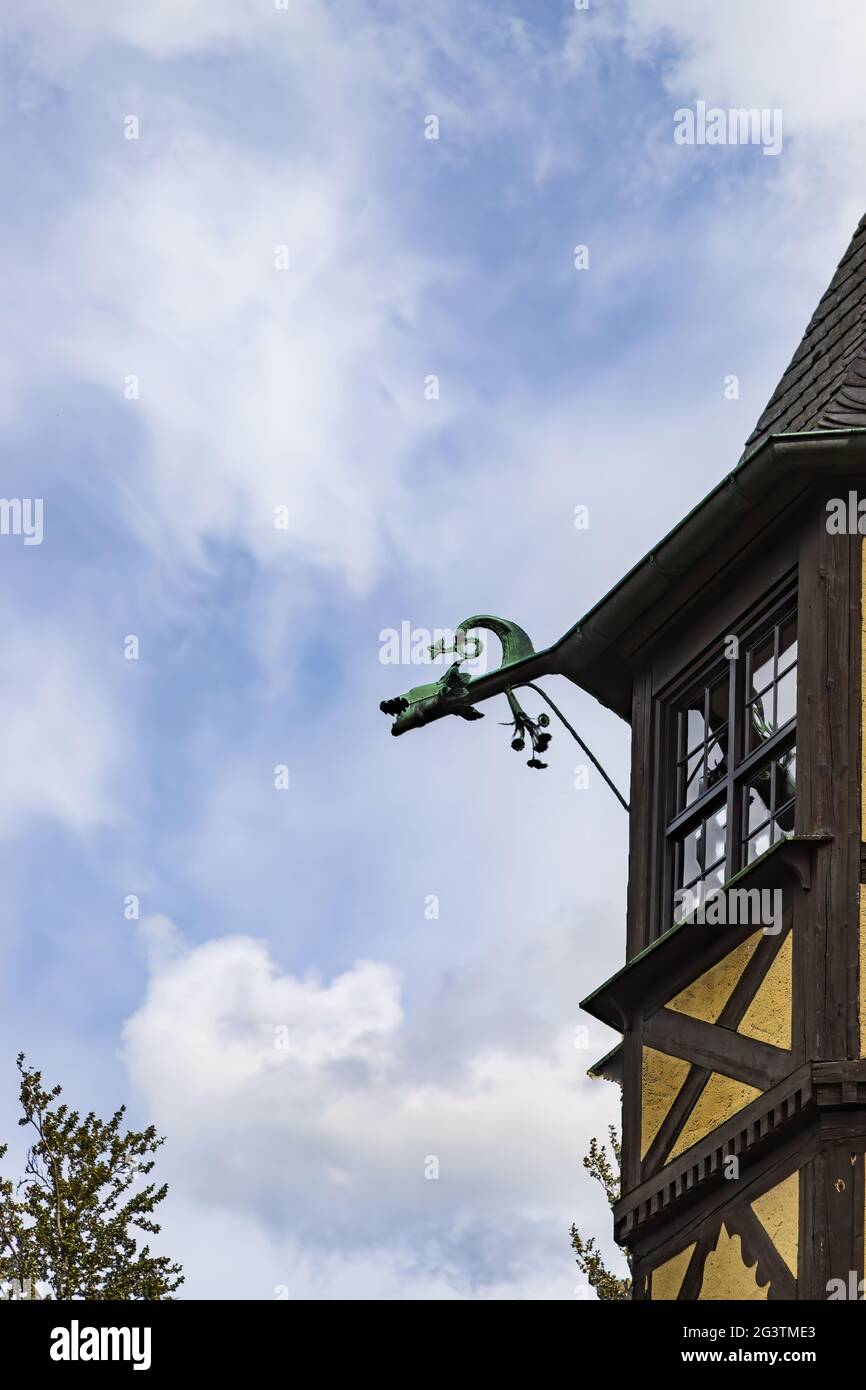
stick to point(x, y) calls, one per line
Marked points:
point(824, 385)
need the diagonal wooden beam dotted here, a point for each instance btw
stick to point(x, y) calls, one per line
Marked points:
point(718, 1049)
point(694, 1276)
point(757, 1245)
point(731, 1016)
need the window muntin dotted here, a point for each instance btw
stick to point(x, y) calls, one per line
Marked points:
point(771, 682)
point(732, 737)
point(702, 741)
point(701, 856)
point(768, 805)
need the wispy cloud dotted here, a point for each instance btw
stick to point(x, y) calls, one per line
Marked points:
point(170, 386)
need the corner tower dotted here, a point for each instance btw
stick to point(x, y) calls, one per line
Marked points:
point(742, 1001)
point(735, 651)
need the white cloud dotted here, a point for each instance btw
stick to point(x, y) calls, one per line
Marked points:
point(773, 55)
point(227, 1251)
point(259, 387)
point(61, 732)
point(326, 1141)
point(724, 56)
point(163, 29)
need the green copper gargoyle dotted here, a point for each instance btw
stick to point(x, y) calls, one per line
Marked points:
point(457, 693)
point(452, 693)
point(424, 703)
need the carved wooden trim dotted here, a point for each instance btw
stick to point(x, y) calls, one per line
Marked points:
point(750, 1129)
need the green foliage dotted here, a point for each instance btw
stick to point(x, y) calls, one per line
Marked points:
point(70, 1223)
point(608, 1286)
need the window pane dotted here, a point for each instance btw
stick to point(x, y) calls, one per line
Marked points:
point(786, 776)
point(715, 837)
point(759, 721)
point(765, 678)
point(692, 846)
point(719, 704)
point(700, 772)
point(758, 844)
point(712, 882)
point(694, 782)
point(786, 781)
point(771, 686)
point(698, 892)
point(756, 811)
point(769, 806)
point(760, 667)
point(704, 847)
point(695, 726)
point(786, 697)
point(702, 739)
point(717, 762)
point(788, 642)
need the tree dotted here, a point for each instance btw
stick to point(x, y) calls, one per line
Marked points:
point(608, 1286)
point(70, 1223)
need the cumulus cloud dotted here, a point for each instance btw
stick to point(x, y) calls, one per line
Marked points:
point(308, 1107)
point(304, 1165)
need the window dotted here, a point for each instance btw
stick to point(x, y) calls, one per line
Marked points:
point(731, 740)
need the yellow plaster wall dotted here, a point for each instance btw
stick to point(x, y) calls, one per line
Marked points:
point(721, 1098)
point(667, 1280)
point(726, 1274)
point(662, 1075)
point(768, 1017)
point(779, 1213)
point(661, 1078)
point(706, 996)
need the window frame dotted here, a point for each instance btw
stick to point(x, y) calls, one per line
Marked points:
point(674, 825)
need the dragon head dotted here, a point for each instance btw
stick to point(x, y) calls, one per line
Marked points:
point(424, 703)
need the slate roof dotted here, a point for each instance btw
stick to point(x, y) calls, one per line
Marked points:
point(824, 387)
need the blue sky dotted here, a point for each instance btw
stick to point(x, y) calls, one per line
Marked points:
point(303, 1169)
